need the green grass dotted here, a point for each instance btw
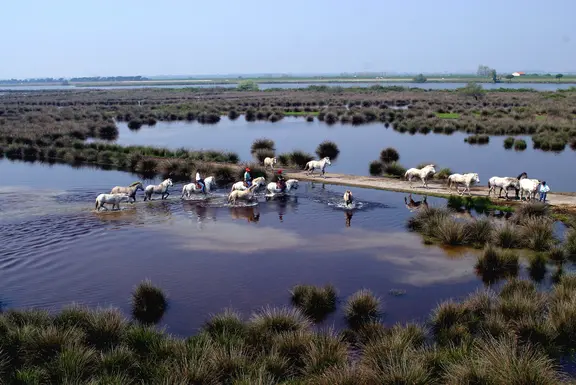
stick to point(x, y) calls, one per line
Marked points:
point(447, 115)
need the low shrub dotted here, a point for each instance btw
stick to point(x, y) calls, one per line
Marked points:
point(327, 149)
point(394, 169)
point(389, 155)
point(149, 303)
point(376, 168)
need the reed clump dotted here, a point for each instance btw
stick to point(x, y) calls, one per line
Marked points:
point(516, 336)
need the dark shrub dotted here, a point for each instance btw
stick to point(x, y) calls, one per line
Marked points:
point(329, 149)
point(376, 168)
point(148, 303)
point(134, 124)
point(262, 144)
point(389, 155)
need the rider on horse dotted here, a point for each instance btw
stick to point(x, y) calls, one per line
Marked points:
point(247, 178)
point(200, 182)
point(280, 181)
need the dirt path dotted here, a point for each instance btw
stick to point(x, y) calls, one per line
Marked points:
point(562, 200)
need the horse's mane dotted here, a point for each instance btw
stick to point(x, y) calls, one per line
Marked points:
point(135, 183)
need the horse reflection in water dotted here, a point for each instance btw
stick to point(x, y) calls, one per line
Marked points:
point(348, 215)
point(413, 205)
point(247, 213)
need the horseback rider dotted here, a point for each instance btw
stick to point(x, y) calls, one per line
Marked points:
point(247, 178)
point(280, 181)
point(200, 182)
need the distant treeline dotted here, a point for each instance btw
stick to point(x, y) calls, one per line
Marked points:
point(82, 79)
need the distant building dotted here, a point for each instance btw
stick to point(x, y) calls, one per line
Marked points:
point(518, 73)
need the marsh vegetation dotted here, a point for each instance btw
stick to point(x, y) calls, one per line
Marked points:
point(516, 336)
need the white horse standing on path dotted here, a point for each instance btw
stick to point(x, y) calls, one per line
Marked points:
point(270, 162)
point(317, 164)
point(260, 181)
point(130, 190)
point(465, 179)
point(291, 184)
point(190, 188)
point(162, 189)
point(114, 199)
point(504, 183)
point(423, 173)
point(529, 187)
point(246, 195)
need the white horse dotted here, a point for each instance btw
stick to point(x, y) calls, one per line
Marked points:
point(130, 190)
point(348, 198)
point(504, 183)
point(115, 199)
point(317, 164)
point(465, 179)
point(188, 189)
point(291, 184)
point(270, 162)
point(260, 181)
point(246, 195)
point(423, 173)
point(529, 187)
point(162, 189)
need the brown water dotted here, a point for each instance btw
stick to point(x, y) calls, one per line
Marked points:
point(54, 249)
point(359, 145)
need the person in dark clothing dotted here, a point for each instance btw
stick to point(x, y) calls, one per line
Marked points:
point(280, 181)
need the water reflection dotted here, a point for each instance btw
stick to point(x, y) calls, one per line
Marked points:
point(413, 205)
point(348, 215)
point(251, 214)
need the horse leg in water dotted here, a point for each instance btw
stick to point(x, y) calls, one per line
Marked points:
point(165, 194)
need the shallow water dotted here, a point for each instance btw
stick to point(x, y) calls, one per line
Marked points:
point(54, 249)
point(359, 145)
point(265, 86)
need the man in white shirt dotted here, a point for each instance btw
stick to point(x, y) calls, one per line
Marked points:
point(544, 188)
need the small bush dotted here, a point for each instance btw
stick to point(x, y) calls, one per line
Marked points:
point(451, 232)
point(520, 145)
point(507, 236)
point(570, 243)
point(315, 302)
point(148, 303)
point(299, 158)
point(389, 155)
point(262, 144)
point(537, 233)
point(376, 168)
point(394, 169)
point(479, 231)
point(496, 263)
point(361, 308)
point(509, 142)
point(443, 174)
point(135, 124)
point(327, 149)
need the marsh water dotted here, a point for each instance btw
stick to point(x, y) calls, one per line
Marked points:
point(359, 145)
point(55, 249)
point(265, 86)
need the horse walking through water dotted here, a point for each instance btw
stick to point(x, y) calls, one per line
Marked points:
point(270, 162)
point(130, 190)
point(291, 184)
point(465, 179)
point(162, 189)
point(190, 188)
point(114, 199)
point(260, 181)
point(246, 195)
point(529, 187)
point(423, 173)
point(317, 164)
point(505, 183)
point(348, 198)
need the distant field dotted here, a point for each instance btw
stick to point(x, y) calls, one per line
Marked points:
point(313, 80)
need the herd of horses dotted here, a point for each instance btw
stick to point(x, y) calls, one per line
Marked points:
point(524, 187)
point(241, 191)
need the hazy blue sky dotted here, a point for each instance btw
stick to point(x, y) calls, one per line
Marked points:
point(127, 37)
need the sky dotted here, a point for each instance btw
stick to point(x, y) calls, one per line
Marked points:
point(69, 38)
